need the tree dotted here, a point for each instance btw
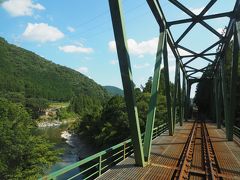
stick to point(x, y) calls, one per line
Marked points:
point(23, 155)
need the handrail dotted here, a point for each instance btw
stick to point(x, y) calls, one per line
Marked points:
point(93, 166)
point(236, 131)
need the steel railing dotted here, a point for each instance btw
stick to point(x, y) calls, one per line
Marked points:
point(93, 166)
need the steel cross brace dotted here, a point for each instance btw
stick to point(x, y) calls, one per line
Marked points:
point(161, 20)
point(196, 18)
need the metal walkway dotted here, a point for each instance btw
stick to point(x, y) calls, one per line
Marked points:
point(192, 153)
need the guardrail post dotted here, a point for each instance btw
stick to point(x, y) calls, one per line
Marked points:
point(153, 98)
point(100, 166)
point(124, 151)
point(126, 74)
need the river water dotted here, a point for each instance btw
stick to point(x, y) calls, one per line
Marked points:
point(74, 148)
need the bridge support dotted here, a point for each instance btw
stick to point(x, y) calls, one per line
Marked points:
point(126, 74)
point(217, 100)
point(153, 99)
point(180, 98)
point(167, 89)
point(175, 94)
point(184, 97)
point(220, 101)
point(233, 80)
point(189, 85)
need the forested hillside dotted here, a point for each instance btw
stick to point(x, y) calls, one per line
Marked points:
point(114, 90)
point(25, 74)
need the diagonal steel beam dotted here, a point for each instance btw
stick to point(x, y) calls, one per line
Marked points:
point(160, 18)
point(126, 74)
point(153, 99)
point(167, 89)
point(199, 55)
point(196, 18)
point(204, 51)
point(206, 17)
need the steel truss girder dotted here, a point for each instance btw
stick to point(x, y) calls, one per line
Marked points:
point(126, 75)
point(202, 18)
point(196, 18)
point(153, 99)
point(161, 20)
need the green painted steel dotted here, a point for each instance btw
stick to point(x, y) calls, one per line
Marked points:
point(219, 122)
point(234, 74)
point(99, 163)
point(188, 99)
point(184, 96)
point(224, 94)
point(167, 89)
point(217, 103)
point(180, 99)
point(175, 95)
point(153, 99)
point(126, 74)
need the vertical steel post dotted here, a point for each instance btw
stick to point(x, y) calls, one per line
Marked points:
point(153, 99)
point(219, 122)
point(175, 94)
point(180, 99)
point(188, 99)
point(234, 74)
point(224, 94)
point(167, 89)
point(126, 74)
point(184, 96)
point(216, 98)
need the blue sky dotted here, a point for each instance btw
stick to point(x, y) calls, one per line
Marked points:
point(78, 34)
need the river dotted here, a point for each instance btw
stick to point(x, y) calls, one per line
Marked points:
point(74, 148)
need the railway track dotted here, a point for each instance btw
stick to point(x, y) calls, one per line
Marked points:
point(197, 160)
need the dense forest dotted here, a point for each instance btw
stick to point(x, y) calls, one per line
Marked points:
point(204, 95)
point(32, 80)
point(109, 125)
point(112, 90)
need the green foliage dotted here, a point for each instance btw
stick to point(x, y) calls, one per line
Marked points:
point(22, 154)
point(114, 90)
point(110, 125)
point(84, 105)
point(64, 113)
point(24, 72)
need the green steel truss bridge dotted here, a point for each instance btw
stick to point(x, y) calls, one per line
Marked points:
point(188, 149)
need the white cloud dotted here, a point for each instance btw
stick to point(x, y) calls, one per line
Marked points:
point(42, 32)
point(82, 70)
point(70, 29)
point(75, 49)
point(21, 7)
point(183, 52)
point(138, 48)
point(141, 66)
point(113, 62)
point(221, 30)
point(197, 10)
